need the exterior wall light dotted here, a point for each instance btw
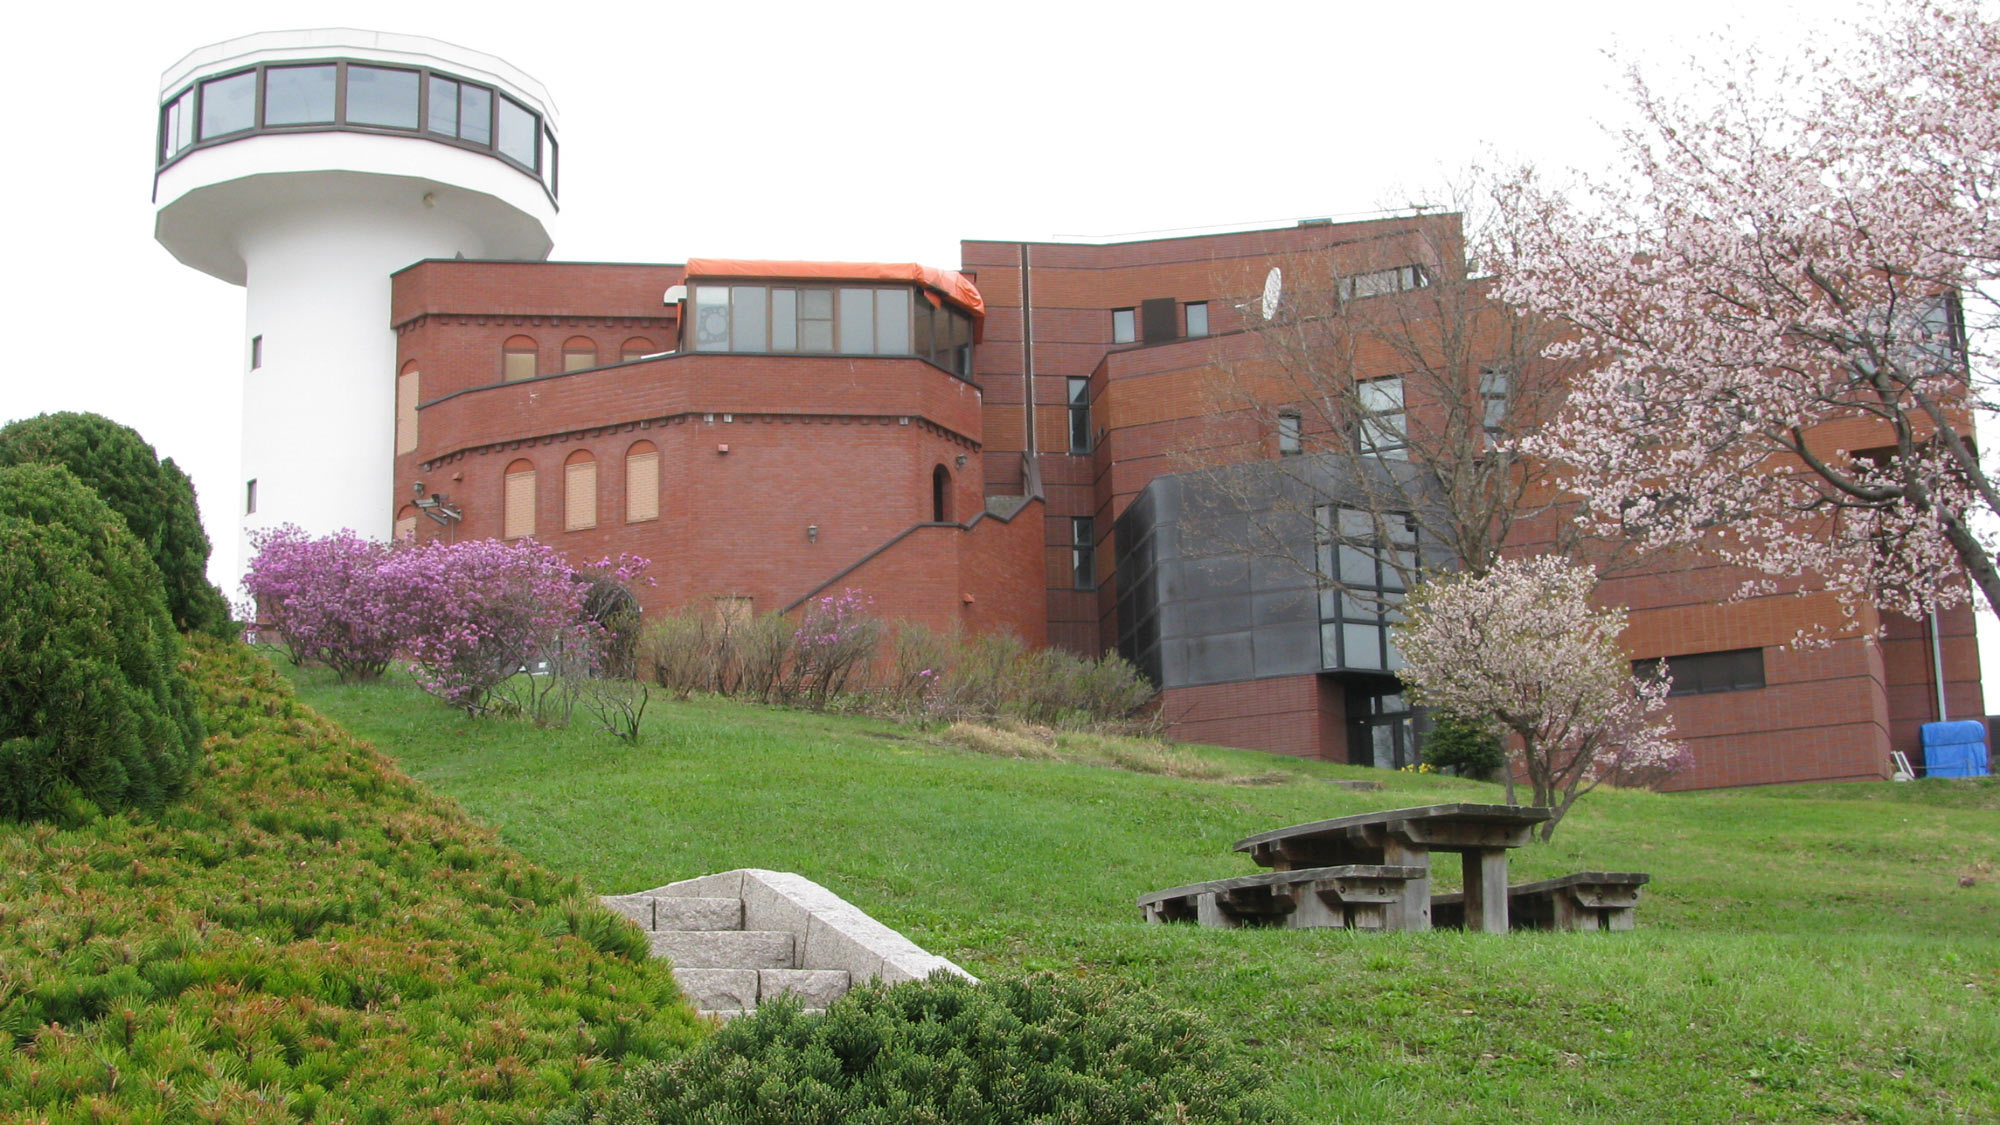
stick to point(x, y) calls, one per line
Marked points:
point(961, 461)
point(812, 533)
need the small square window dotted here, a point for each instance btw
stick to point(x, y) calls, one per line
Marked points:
point(1197, 318)
point(1124, 326)
point(1291, 433)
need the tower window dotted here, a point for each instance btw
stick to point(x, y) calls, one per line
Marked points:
point(406, 409)
point(256, 352)
point(250, 497)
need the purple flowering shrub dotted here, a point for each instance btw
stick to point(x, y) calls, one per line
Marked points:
point(327, 599)
point(468, 616)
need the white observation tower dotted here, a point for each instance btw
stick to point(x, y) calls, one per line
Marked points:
point(307, 166)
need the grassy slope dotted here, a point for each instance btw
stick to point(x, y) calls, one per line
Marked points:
point(309, 935)
point(1804, 953)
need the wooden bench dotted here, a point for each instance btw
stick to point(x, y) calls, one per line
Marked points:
point(1587, 900)
point(1351, 896)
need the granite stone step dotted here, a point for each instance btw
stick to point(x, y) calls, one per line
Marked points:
point(665, 912)
point(713, 989)
point(815, 988)
point(725, 949)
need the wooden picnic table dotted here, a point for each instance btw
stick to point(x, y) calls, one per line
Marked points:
point(1480, 834)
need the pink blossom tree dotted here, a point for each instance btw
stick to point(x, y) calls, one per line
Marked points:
point(1523, 649)
point(1780, 300)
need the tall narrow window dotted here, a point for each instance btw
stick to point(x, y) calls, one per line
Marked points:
point(1381, 432)
point(1082, 552)
point(406, 525)
point(1362, 560)
point(857, 321)
point(1079, 415)
point(406, 409)
point(1494, 383)
point(517, 359)
point(1197, 318)
point(250, 497)
point(299, 95)
point(579, 352)
point(1291, 433)
point(518, 510)
point(579, 491)
point(642, 482)
point(256, 352)
point(940, 495)
point(638, 347)
point(1124, 326)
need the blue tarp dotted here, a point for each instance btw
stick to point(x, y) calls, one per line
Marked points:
point(1955, 749)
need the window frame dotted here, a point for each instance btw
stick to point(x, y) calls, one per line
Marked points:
point(1187, 320)
point(1370, 422)
point(1292, 437)
point(1338, 541)
point(1708, 673)
point(786, 332)
point(1125, 325)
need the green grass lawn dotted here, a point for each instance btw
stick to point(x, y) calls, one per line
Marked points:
point(1804, 953)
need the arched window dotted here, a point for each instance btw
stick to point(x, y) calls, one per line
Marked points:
point(635, 348)
point(940, 495)
point(642, 482)
point(580, 491)
point(406, 409)
point(579, 352)
point(406, 524)
point(518, 513)
point(517, 359)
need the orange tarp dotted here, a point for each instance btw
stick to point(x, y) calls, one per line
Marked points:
point(956, 287)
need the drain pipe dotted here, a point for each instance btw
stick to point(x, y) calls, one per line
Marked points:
point(1937, 667)
point(1028, 346)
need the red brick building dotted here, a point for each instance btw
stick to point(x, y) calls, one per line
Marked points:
point(1007, 449)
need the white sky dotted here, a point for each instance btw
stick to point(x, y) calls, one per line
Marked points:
point(827, 130)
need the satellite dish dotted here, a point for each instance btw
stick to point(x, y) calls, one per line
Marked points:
point(1274, 287)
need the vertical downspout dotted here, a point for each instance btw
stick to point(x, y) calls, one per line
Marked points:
point(1937, 668)
point(1028, 347)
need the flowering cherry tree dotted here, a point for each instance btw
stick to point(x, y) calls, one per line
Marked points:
point(1521, 647)
point(1782, 305)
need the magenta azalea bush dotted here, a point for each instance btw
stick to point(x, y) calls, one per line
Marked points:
point(468, 616)
point(327, 599)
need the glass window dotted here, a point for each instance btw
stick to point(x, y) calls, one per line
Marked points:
point(746, 318)
point(444, 107)
point(784, 320)
point(1361, 592)
point(380, 96)
point(228, 105)
point(1494, 384)
point(177, 126)
point(475, 114)
point(711, 318)
point(1381, 432)
point(517, 359)
point(857, 321)
point(815, 320)
point(256, 352)
point(921, 319)
point(519, 133)
point(1079, 415)
point(579, 352)
point(1197, 318)
point(1124, 327)
point(250, 497)
point(1082, 557)
point(1291, 433)
point(298, 95)
point(1705, 673)
point(892, 321)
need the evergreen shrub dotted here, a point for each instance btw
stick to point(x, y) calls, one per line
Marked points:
point(946, 1050)
point(95, 712)
point(155, 498)
point(1465, 746)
